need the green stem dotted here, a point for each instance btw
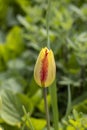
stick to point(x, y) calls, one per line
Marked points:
point(47, 22)
point(69, 102)
point(46, 108)
point(52, 89)
point(28, 118)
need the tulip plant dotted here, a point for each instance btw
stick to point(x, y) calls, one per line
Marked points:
point(45, 73)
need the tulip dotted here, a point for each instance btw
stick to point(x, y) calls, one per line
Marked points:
point(45, 68)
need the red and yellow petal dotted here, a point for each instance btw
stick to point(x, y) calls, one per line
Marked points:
point(45, 68)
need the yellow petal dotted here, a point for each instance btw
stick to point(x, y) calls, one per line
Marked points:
point(45, 68)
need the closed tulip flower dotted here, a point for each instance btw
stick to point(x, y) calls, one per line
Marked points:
point(45, 68)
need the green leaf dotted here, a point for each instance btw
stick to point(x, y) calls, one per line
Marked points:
point(8, 127)
point(70, 127)
point(14, 41)
point(41, 104)
point(80, 99)
point(50, 128)
point(0, 103)
point(38, 124)
point(53, 94)
point(81, 107)
point(27, 102)
point(33, 88)
point(11, 84)
point(11, 111)
point(16, 64)
point(68, 80)
point(36, 98)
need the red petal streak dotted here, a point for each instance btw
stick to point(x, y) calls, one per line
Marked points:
point(44, 68)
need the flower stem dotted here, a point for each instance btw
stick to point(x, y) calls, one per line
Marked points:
point(46, 108)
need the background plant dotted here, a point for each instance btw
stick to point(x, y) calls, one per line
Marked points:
point(22, 35)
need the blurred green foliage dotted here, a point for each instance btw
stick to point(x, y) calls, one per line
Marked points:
point(22, 35)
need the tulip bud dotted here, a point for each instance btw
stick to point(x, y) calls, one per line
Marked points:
point(45, 68)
